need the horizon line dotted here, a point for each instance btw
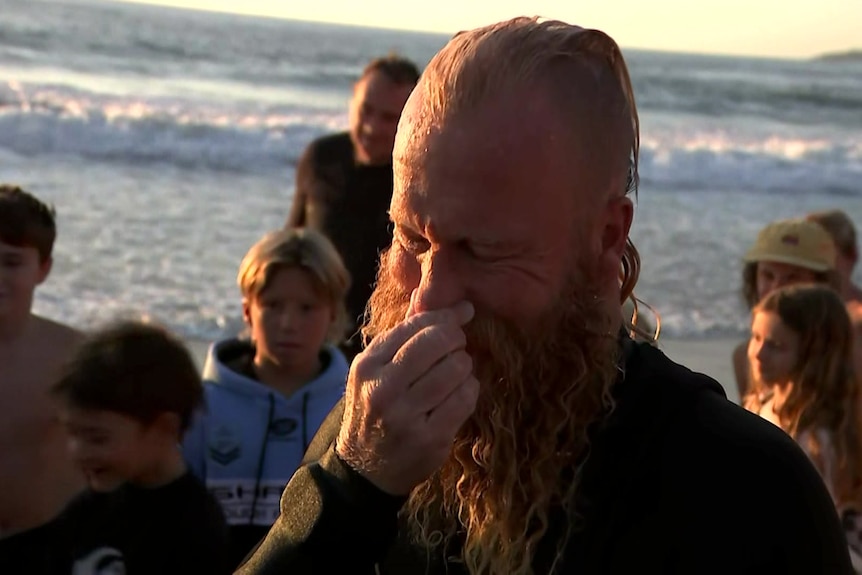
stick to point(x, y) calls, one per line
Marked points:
point(163, 4)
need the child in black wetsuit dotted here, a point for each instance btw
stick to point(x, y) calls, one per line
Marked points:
point(126, 399)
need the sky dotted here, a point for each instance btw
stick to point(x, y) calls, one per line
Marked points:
point(771, 28)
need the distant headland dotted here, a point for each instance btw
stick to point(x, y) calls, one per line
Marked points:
point(854, 55)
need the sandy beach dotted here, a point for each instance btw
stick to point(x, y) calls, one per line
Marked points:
point(711, 357)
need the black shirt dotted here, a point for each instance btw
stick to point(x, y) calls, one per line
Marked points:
point(673, 484)
point(349, 203)
point(29, 551)
point(175, 529)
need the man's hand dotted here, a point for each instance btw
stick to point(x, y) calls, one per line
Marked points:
point(407, 395)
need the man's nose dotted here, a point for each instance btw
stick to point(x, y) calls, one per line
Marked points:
point(440, 286)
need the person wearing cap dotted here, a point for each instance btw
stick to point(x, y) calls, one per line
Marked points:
point(839, 225)
point(786, 252)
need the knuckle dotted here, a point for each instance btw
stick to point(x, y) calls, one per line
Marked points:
point(361, 369)
point(445, 337)
point(375, 402)
point(452, 333)
point(419, 321)
point(463, 362)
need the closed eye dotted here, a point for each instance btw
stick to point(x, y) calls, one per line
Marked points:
point(411, 242)
point(488, 252)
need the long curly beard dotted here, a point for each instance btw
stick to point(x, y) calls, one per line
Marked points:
point(513, 462)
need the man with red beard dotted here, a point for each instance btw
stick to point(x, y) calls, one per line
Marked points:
point(500, 420)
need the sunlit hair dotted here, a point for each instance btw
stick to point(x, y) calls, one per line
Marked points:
point(476, 65)
point(305, 249)
point(513, 463)
point(629, 273)
point(839, 225)
point(26, 222)
point(824, 393)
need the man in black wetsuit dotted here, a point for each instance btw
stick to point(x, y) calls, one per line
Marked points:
point(344, 181)
point(501, 421)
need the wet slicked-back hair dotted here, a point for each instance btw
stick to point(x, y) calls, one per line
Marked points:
point(476, 65)
point(25, 221)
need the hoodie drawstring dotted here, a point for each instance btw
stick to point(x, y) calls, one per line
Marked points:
point(304, 423)
point(261, 459)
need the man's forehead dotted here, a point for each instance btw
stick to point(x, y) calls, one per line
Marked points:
point(503, 131)
point(476, 176)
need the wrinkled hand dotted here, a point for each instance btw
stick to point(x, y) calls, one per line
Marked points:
point(407, 395)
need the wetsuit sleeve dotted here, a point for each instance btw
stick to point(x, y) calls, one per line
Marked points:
point(802, 530)
point(799, 536)
point(759, 506)
point(325, 436)
point(304, 177)
point(193, 446)
point(332, 521)
point(202, 555)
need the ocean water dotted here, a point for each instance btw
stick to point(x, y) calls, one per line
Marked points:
point(167, 140)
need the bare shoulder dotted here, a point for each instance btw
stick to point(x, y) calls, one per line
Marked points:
point(854, 310)
point(55, 339)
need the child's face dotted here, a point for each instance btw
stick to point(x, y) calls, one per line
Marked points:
point(112, 449)
point(774, 275)
point(289, 321)
point(20, 272)
point(772, 350)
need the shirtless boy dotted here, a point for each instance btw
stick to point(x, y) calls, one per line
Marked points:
point(36, 475)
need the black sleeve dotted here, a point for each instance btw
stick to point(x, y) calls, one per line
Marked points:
point(805, 534)
point(304, 180)
point(332, 521)
point(202, 553)
point(326, 434)
point(761, 507)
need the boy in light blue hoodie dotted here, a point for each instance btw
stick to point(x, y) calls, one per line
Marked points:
point(267, 395)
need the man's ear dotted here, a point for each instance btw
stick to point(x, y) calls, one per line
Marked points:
point(45, 268)
point(617, 222)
